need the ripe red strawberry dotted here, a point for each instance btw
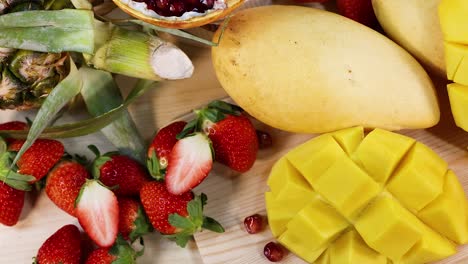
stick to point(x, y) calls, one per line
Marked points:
point(234, 137)
point(133, 222)
point(12, 187)
point(97, 211)
point(64, 246)
point(120, 252)
point(119, 171)
point(178, 216)
point(190, 161)
point(40, 158)
point(64, 184)
point(161, 146)
point(11, 204)
point(358, 10)
point(14, 125)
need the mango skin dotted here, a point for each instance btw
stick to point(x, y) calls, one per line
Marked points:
point(305, 70)
point(415, 26)
point(410, 210)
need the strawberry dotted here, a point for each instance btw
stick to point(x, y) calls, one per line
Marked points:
point(176, 216)
point(64, 183)
point(40, 157)
point(120, 252)
point(234, 137)
point(133, 222)
point(11, 204)
point(119, 171)
point(14, 125)
point(160, 148)
point(97, 211)
point(12, 190)
point(358, 10)
point(64, 246)
point(190, 161)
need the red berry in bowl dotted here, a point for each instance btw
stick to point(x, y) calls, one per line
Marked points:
point(253, 224)
point(273, 252)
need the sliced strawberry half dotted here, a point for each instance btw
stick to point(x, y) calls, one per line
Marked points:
point(97, 211)
point(190, 161)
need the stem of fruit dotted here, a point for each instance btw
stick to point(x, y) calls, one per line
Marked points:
point(137, 54)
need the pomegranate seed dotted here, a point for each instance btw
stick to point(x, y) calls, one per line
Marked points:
point(253, 224)
point(264, 139)
point(177, 8)
point(273, 252)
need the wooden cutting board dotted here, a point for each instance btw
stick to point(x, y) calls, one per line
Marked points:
point(232, 196)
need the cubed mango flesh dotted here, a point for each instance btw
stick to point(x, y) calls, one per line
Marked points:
point(280, 212)
point(351, 249)
point(381, 151)
point(419, 178)
point(454, 20)
point(431, 247)
point(448, 213)
point(346, 186)
point(456, 59)
point(297, 244)
point(318, 223)
point(349, 138)
point(388, 228)
point(385, 193)
point(315, 156)
point(458, 95)
point(324, 258)
point(286, 182)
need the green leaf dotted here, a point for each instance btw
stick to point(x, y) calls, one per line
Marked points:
point(224, 107)
point(82, 4)
point(204, 199)
point(101, 95)
point(58, 98)
point(175, 32)
point(3, 146)
point(212, 225)
point(179, 221)
point(123, 252)
point(12, 178)
point(154, 167)
point(181, 238)
point(80, 128)
point(142, 225)
point(190, 127)
point(97, 164)
point(195, 210)
point(213, 114)
point(48, 31)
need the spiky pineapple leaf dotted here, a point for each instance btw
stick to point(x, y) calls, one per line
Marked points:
point(48, 30)
point(79, 128)
point(58, 98)
point(100, 99)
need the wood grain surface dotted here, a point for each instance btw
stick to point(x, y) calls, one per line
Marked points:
point(232, 196)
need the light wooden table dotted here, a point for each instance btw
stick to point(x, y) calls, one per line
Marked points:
point(231, 196)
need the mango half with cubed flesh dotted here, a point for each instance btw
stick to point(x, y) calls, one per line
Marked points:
point(453, 16)
point(342, 198)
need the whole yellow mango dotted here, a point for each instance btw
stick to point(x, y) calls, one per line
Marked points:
point(307, 70)
point(415, 26)
point(386, 199)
